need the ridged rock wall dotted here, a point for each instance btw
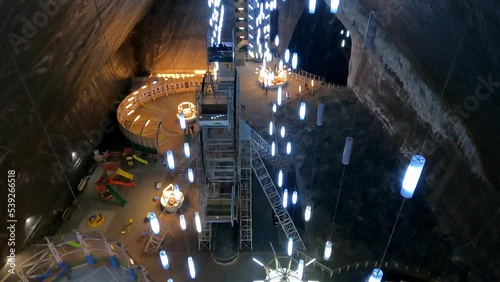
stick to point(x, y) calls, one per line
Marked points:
point(422, 48)
point(64, 63)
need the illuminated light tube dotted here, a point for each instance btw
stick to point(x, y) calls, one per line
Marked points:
point(280, 65)
point(130, 99)
point(288, 147)
point(295, 196)
point(144, 87)
point(319, 117)
point(177, 193)
point(282, 132)
point(137, 118)
point(135, 92)
point(164, 259)
point(274, 107)
point(294, 61)
point(154, 223)
point(412, 176)
point(170, 280)
point(170, 160)
point(273, 149)
point(346, 155)
point(147, 122)
point(302, 111)
point(300, 270)
point(197, 221)
point(182, 120)
point(280, 178)
point(192, 270)
point(182, 221)
point(287, 56)
point(307, 214)
point(278, 99)
point(190, 175)
point(341, 32)
point(271, 128)
point(285, 198)
point(187, 152)
point(328, 250)
point(277, 40)
point(312, 6)
point(289, 248)
point(258, 262)
point(131, 112)
point(343, 43)
point(376, 276)
point(334, 6)
point(347, 34)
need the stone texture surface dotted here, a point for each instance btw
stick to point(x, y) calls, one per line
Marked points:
point(63, 65)
point(413, 83)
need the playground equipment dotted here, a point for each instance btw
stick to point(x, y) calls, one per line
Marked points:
point(115, 182)
point(116, 195)
point(51, 261)
point(139, 159)
point(95, 220)
point(126, 229)
point(105, 191)
point(125, 174)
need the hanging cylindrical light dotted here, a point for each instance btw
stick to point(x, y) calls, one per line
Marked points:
point(285, 198)
point(190, 175)
point(295, 196)
point(287, 56)
point(343, 43)
point(182, 221)
point(289, 249)
point(347, 34)
point(170, 160)
point(271, 128)
point(334, 6)
point(412, 176)
point(182, 120)
point(197, 221)
point(192, 270)
point(280, 65)
point(177, 193)
point(312, 6)
point(154, 223)
point(277, 40)
point(328, 250)
point(258, 262)
point(288, 147)
point(282, 132)
point(346, 155)
point(278, 99)
point(294, 61)
point(377, 275)
point(300, 270)
point(273, 148)
point(164, 259)
point(307, 214)
point(302, 111)
point(187, 152)
point(319, 116)
point(280, 178)
point(274, 107)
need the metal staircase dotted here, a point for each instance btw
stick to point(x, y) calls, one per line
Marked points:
point(245, 195)
point(274, 196)
point(204, 238)
point(263, 147)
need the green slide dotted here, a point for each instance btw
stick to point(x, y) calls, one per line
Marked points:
point(116, 195)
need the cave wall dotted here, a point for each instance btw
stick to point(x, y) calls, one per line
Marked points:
point(402, 81)
point(170, 37)
point(74, 59)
